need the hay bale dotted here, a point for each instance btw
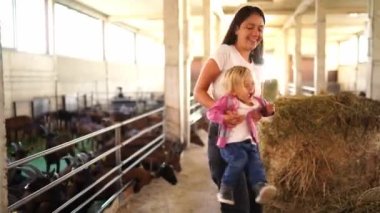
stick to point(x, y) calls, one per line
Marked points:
point(322, 152)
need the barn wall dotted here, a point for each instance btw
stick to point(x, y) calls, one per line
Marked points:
point(27, 76)
point(352, 78)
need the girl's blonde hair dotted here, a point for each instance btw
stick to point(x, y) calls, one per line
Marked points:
point(234, 77)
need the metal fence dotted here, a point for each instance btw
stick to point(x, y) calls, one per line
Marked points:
point(146, 150)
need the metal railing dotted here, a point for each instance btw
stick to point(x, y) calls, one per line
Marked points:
point(306, 90)
point(195, 111)
point(115, 149)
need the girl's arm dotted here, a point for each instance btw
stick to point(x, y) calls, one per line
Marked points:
point(267, 108)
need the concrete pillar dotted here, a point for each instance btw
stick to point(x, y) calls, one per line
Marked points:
point(218, 34)
point(187, 68)
point(286, 61)
point(320, 82)
point(297, 73)
point(373, 86)
point(174, 69)
point(207, 28)
point(3, 148)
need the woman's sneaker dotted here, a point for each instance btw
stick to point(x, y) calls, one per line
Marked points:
point(226, 195)
point(265, 193)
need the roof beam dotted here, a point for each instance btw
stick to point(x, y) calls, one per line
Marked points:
point(86, 9)
point(302, 8)
point(229, 10)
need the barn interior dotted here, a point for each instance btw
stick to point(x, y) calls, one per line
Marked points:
point(97, 97)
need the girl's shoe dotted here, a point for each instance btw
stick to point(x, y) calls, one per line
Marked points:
point(226, 195)
point(265, 193)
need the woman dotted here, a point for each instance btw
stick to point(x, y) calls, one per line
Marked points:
point(241, 46)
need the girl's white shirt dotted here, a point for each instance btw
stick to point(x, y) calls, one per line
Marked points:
point(241, 131)
point(226, 57)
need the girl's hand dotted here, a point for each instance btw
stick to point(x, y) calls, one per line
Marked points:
point(256, 115)
point(232, 118)
point(270, 108)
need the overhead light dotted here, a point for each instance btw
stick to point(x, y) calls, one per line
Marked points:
point(354, 15)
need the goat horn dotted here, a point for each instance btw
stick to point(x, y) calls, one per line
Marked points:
point(83, 157)
point(44, 129)
point(70, 158)
point(14, 145)
point(35, 169)
point(28, 172)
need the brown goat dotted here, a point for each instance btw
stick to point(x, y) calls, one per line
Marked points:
point(16, 124)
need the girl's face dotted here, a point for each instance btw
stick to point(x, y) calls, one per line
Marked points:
point(250, 32)
point(245, 90)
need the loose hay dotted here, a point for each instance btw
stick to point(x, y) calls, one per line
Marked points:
point(323, 152)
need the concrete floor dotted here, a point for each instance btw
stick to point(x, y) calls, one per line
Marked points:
point(194, 193)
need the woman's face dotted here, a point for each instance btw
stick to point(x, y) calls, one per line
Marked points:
point(250, 32)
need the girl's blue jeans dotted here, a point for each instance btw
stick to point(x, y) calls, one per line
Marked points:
point(242, 156)
point(243, 193)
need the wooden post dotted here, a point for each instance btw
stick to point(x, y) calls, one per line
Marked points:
point(3, 148)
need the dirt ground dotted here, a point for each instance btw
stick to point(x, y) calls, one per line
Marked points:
point(194, 192)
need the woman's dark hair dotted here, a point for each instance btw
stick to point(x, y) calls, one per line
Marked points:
point(256, 55)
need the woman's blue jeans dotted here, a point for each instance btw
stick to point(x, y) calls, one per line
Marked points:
point(243, 194)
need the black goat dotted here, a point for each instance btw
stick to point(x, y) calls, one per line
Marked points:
point(53, 140)
point(163, 170)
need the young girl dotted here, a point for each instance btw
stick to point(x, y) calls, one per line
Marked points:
point(239, 145)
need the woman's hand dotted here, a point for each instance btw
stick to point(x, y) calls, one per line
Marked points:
point(232, 118)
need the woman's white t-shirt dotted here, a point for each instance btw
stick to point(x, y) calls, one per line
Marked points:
point(226, 57)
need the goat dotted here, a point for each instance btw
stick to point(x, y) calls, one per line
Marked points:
point(163, 170)
point(169, 153)
point(46, 202)
point(33, 181)
point(53, 140)
point(64, 118)
point(140, 175)
point(17, 181)
point(18, 151)
point(21, 123)
point(85, 126)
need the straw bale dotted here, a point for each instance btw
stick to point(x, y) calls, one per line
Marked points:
point(322, 152)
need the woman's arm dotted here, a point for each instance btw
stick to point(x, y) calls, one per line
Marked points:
point(216, 112)
point(209, 74)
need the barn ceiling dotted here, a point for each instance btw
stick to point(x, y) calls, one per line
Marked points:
point(344, 17)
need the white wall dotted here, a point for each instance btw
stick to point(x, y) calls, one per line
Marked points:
point(27, 76)
point(352, 78)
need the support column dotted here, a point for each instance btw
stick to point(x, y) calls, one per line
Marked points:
point(320, 55)
point(285, 55)
point(206, 28)
point(3, 148)
point(187, 69)
point(373, 79)
point(297, 74)
point(174, 62)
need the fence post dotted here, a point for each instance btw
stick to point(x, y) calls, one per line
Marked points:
point(14, 106)
point(118, 159)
